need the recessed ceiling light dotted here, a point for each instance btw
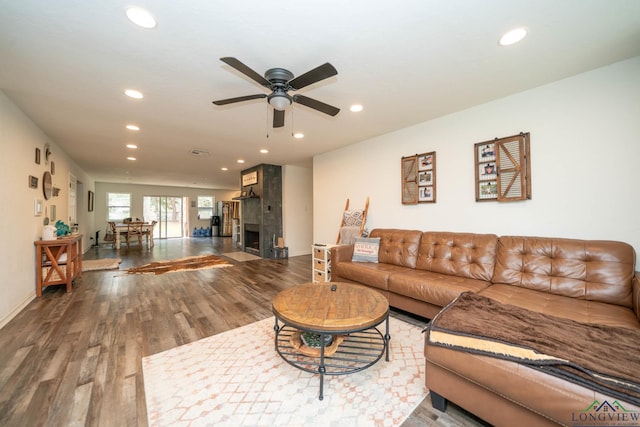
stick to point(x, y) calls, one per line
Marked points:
point(141, 17)
point(132, 146)
point(131, 158)
point(240, 161)
point(224, 169)
point(513, 36)
point(298, 135)
point(264, 151)
point(133, 127)
point(356, 108)
point(133, 94)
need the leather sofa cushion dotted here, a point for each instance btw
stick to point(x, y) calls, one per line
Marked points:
point(368, 273)
point(398, 247)
point(585, 269)
point(465, 255)
point(434, 288)
point(580, 310)
point(537, 391)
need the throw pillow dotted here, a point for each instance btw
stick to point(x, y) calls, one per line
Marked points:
point(353, 217)
point(366, 249)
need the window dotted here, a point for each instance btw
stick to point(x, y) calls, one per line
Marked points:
point(118, 206)
point(205, 207)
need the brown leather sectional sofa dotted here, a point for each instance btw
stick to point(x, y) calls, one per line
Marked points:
point(586, 281)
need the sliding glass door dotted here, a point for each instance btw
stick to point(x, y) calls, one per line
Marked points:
point(168, 211)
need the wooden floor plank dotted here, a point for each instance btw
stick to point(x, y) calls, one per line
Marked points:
point(74, 359)
point(77, 413)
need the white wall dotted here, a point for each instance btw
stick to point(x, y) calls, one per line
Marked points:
point(585, 157)
point(297, 209)
point(19, 227)
point(139, 191)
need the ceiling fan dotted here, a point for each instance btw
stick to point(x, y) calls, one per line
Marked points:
point(280, 81)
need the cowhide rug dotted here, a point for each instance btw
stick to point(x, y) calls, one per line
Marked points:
point(181, 264)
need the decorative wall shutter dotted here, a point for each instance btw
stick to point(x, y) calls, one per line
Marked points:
point(512, 161)
point(503, 169)
point(410, 180)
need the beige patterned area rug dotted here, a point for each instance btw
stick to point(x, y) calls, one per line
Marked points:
point(241, 256)
point(181, 264)
point(236, 378)
point(101, 264)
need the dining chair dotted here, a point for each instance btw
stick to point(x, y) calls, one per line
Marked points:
point(134, 229)
point(148, 230)
point(113, 231)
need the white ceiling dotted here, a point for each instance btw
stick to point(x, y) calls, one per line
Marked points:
point(66, 63)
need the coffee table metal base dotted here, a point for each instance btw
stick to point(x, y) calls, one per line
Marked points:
point(359, 350)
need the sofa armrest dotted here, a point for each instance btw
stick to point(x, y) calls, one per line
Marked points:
point(635, 289)
point(341, 253)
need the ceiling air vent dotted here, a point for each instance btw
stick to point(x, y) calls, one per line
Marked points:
point(197, 152)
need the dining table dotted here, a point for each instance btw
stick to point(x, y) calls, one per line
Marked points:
point(147, 229)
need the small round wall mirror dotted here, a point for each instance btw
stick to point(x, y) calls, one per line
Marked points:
point(47, 187)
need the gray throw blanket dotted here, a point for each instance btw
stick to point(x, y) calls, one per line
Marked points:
point(602, 358)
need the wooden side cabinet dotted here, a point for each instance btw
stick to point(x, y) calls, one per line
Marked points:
point(321, 270)
point(58, 262)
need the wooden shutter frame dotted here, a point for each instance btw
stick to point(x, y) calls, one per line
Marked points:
point(414, 190)
point(521, 166)
point(409, 183)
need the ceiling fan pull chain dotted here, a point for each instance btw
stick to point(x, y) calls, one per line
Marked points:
point(266, 121)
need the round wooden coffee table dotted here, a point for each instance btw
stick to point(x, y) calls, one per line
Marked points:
point(347, 314)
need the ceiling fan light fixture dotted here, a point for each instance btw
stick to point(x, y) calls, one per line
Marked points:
point(298, 135)
point(279, 101)
point(356, 108)
point(133, 127)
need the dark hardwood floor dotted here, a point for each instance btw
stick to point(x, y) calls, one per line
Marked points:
point(75, 359)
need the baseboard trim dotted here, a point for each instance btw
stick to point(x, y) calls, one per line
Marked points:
point(13, 313)
point(299, 253)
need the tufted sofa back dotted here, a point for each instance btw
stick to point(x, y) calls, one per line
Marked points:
point(593, 270)
point(398, 247)
point(466, 255)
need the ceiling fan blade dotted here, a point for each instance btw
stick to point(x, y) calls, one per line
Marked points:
point(319, 73)
point(316, 105)
point(278, 118)
point(233, 62)
point(239, 99)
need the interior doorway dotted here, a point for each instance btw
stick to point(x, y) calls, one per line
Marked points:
point(73, 207)
point(168, 211)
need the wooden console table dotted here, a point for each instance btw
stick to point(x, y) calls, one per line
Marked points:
point(58, 262)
